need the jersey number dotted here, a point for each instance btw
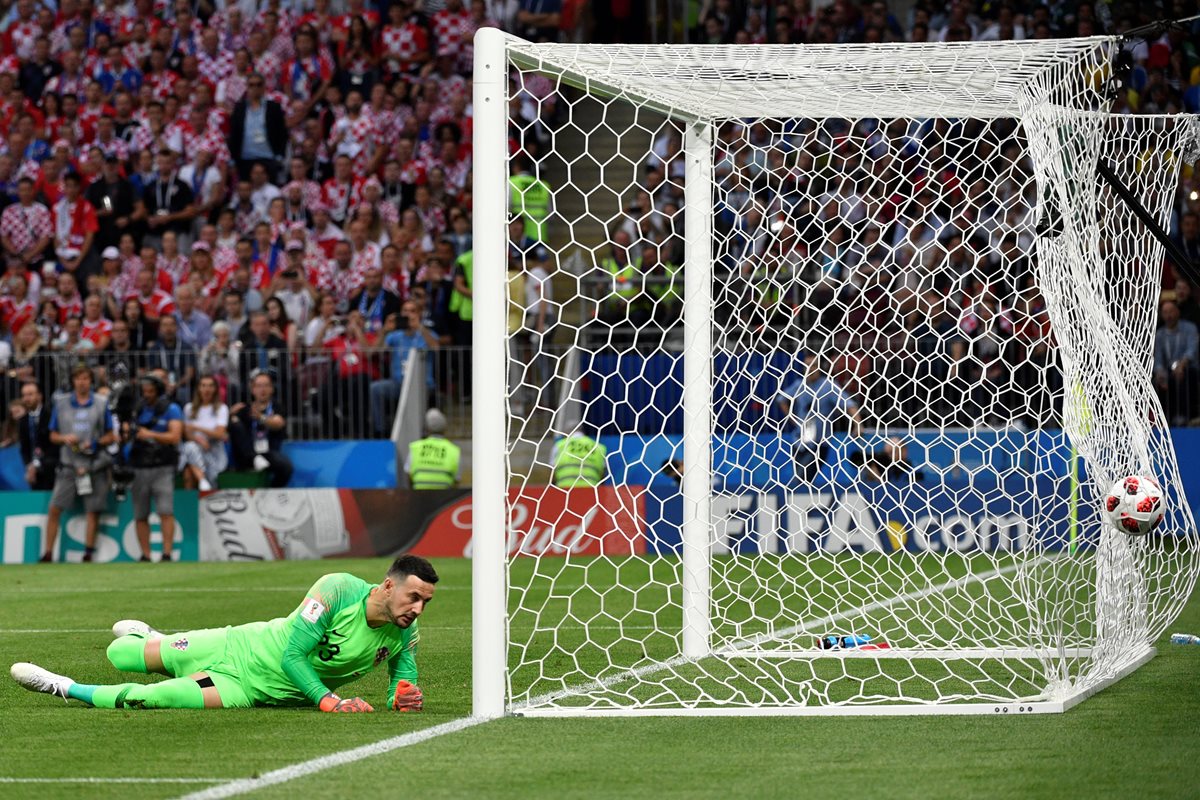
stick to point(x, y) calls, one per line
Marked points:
point(326, 650)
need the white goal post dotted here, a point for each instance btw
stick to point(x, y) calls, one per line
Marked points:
point(862, 336)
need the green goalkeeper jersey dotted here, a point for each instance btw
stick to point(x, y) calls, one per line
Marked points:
point(323, 644)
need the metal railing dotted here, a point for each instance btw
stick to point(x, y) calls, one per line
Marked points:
point(324, 394)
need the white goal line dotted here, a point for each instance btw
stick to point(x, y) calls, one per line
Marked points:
point(743, 647)
point(112, 780)
point(911, 653)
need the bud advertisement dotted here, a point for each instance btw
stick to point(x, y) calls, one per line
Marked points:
point(274, 524)
point(548, 521)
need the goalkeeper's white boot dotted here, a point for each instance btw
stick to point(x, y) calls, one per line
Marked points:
point(127, 626)
point(36, 679)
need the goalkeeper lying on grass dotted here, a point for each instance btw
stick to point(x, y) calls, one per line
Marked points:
point(343, 629)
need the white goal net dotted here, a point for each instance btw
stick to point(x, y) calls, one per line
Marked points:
point(856, 336)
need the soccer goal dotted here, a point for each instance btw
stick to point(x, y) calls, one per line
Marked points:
point(863, 334)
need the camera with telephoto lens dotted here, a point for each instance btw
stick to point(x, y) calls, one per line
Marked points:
point(122, 400)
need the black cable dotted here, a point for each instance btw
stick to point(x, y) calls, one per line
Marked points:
point(1127, 196)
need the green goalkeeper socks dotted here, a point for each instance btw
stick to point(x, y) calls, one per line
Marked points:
point(128, 653)
point(82, 691)
point(174, 693)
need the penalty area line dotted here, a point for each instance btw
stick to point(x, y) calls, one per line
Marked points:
point(303, 768)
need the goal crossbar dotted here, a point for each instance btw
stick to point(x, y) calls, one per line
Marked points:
point(934, 80)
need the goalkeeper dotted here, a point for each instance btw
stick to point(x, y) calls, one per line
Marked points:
point(343, 629)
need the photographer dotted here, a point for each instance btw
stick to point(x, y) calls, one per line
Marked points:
point(82, 427)
point(155, 434)
point(257, 430)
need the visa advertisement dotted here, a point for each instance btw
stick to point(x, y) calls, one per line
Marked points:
point(24, 529)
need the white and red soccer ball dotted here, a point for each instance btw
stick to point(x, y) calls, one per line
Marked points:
point(1135, 505)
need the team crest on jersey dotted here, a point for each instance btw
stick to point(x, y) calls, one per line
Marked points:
point(180, 644)
point(381, 655)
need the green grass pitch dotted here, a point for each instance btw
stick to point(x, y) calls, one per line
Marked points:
point(1137, 738)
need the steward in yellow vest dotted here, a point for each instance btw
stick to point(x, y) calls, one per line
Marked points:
point(529, 197)
point(433, 462)
point(579, 461)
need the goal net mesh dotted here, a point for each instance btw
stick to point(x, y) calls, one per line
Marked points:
point(927, 352)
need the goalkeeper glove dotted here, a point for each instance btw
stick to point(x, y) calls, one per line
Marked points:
point(408, 697)
point(331, 702)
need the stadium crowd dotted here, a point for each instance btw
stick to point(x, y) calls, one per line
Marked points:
point(226, 188)
point(908, 244)
point(223, 189)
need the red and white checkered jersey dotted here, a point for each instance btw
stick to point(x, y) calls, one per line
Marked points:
point(113, 147)
point(282, 47)
point(366, 258)
point(217, 67)
point(310, 191)
point(210, 139)
point(136, 53)
point(397, 282)
point(269, 66)
point(25, 225)
point(175, 268)
point(162, 84)
point(231, 90)
point(399, 46)
point(23, 35)
point(341, 197)
point(341, 283)
point(452, 29)
point(356, 138)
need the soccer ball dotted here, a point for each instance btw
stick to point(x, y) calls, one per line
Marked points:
point(1135, 505)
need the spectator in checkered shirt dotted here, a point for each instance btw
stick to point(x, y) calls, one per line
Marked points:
point(26, 227)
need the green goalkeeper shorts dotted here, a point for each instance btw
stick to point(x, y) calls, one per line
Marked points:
point(187, 653)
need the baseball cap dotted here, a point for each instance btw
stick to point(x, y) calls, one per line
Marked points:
point(110, 252)
point(202, 246)
point(293, 244)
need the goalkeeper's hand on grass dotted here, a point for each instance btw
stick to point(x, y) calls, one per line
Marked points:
point(408, 697)
point(331, 702)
